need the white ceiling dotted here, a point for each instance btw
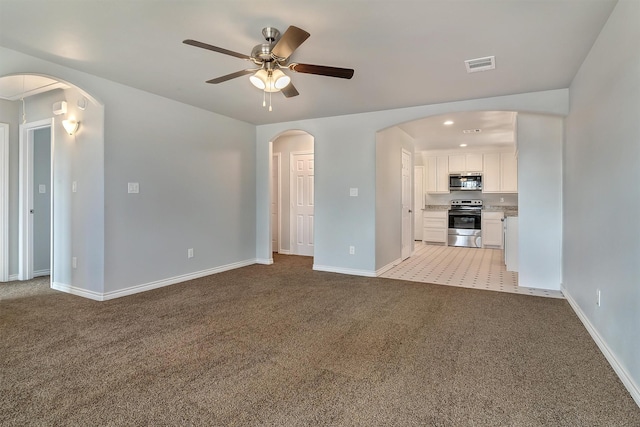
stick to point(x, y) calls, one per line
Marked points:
point(12, 88)
point(497, 130)
point(404, 52)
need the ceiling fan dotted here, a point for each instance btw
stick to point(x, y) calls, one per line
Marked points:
point(271, 57)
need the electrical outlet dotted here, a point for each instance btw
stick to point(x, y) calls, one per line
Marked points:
point(190, 253)
point(74, 262)
point(598, 297)
point(352, 250)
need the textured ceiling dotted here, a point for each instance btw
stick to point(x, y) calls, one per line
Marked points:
point(404, 53)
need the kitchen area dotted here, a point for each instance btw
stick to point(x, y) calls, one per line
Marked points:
point(484, 216)
point(466, 183)
point(468, 200)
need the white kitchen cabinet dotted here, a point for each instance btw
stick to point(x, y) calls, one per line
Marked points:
point(435, 225)
point(492, 229)
point(463, 163)
point(437, 174)
point(474, 162)
point(500, 173)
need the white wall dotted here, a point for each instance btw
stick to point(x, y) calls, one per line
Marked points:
point(389, 145)
point(601, 157)
point(196, 172)
point(78, 158)
point(540, 140)
point(9, 112)
point(345, 157)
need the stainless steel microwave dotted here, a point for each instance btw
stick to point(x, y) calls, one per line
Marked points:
point(468, 182)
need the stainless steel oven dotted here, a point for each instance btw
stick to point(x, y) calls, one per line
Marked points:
point(465, 223)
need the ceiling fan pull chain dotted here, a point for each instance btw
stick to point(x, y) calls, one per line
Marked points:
point(264, 98)
point(270, 82)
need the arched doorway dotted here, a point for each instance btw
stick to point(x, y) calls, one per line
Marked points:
point(292, 193)
point(34, 104)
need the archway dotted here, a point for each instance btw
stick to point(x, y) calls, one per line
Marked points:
point(77, 178)
point(292, 171)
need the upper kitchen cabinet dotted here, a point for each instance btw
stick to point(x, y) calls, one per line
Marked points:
point(500, 173)
point(463, 163)
point(437, 174)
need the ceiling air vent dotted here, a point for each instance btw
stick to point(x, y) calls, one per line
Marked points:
point(480, 64)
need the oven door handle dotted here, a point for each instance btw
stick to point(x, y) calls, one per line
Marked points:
point(464, 213)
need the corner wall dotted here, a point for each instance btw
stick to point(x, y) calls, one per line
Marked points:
point(345, 156)
point(601, 157)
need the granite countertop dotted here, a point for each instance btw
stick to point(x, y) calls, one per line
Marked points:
point(436, 208)
point(508, 210)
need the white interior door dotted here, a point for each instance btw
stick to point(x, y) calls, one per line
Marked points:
point(406, 205)
point(275, 203)
point(302, 204)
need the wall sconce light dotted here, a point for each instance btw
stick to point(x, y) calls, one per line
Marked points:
point(71, 126)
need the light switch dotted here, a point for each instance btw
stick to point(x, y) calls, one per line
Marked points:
point(353, 192)
point(42, 189)
point(133, 187)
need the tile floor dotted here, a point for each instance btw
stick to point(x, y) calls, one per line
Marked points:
point(464, 267)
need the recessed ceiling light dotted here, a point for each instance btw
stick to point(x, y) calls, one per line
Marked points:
point(463, 145)
point(448, 123)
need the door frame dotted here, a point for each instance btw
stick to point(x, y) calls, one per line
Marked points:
point(292, 225)
point(25, 197)
point(410, 195)
point(4, 203)
point(278, 185)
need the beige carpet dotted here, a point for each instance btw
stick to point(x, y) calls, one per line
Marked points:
point(283, 345)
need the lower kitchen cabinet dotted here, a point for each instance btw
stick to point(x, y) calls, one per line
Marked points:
point(435, 226)
point(492, 231)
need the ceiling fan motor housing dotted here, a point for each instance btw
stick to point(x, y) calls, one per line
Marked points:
point(271, 34)
point(262, 51)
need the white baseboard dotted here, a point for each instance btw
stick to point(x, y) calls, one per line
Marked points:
point(265, 261)
point(40, 273)
point(622, 373)
point(388, 267)
point(351, 271)
point(13, 277)
point(62, 287)
point(151, 285)
point(284, 252)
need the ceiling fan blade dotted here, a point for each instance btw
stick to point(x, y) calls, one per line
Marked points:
point(290, 91)
point(216, 49)
point(232, 76)
point(323, 70)
point(290, 41)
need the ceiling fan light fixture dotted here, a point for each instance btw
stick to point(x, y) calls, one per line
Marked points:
point(280, 79)
point(259, 79)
